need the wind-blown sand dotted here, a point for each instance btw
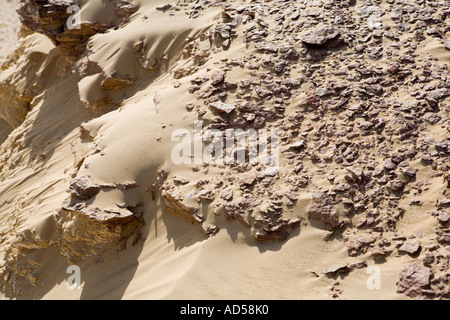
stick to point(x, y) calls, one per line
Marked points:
point(357, 209)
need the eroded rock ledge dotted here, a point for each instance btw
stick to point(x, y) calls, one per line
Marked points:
point(50, 17)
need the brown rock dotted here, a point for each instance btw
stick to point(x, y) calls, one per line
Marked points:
point(247, 179)
point(293, 196)
point(222, 107)
point(50, 17)
point(320, 35)
point(410, 246)
point(181, 180)
point(341, 268)
point(413, 279)
point(378, 251)
point(298, 145)
point(322, 209)
point(389, 165)
point(447, 44)
point(356, 172)
point(444, 217)
point(217, 78)
point(227, 194)
point(83, 188)
point(164, 7)
point(397, 185)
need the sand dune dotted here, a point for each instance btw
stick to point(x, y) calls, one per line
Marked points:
point(91, 99)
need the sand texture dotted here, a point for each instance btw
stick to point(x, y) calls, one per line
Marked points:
point(357, 92)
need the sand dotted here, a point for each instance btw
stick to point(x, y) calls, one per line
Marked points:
point(88, 177)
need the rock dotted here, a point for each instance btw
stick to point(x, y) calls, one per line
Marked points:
point(298, 145)
point(322, 209)
point(410, 246)
point(293, 196)
point(409, 172)
point(436, 95)
point(206, 194)
point(247, 179)
point(444, 203)
point(397, 185)
point(175, 207)
point(270, 171)
point(49, 18)
point(181, 180)
point(292, 55)
point(125, 9)
point(116, 81)
point(342, 187)
point(222, 107)
point(212, 230)
point(356, 172)
point(446, 43)
point(341, 268)
point(164, 7)
point(444, 217)
point(389, 165)
point(320, 35)
point(227, 194)
point(357, 265)
point(443, 146)
point(217, 78)
point(432, 118)
point(444, 237)
point(83, 188)
point(378, 251)
point(413, 279)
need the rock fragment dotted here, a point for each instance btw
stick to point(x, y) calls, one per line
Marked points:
point(83, 188)
point(414, 278)
point(223, 107)
point(410, 246)
point(247, 179)
point(322, 209)
point(320, 35)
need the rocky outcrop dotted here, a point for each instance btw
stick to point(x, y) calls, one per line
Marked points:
point(178, 209)
point(50, 17)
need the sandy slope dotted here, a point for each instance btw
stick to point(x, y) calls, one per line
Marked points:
point(104, 119)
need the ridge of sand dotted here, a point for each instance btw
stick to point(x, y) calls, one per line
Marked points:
point(87, 178)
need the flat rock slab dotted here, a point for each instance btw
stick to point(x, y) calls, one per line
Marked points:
point(319, 35)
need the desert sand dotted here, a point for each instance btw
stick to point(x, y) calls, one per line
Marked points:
point(357, 208)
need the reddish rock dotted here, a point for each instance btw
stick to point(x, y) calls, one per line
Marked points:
point(322, 209)
point(320, 35)
point(247, 179)
point(413, 279)
point(83, 188)
point(410, 246)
